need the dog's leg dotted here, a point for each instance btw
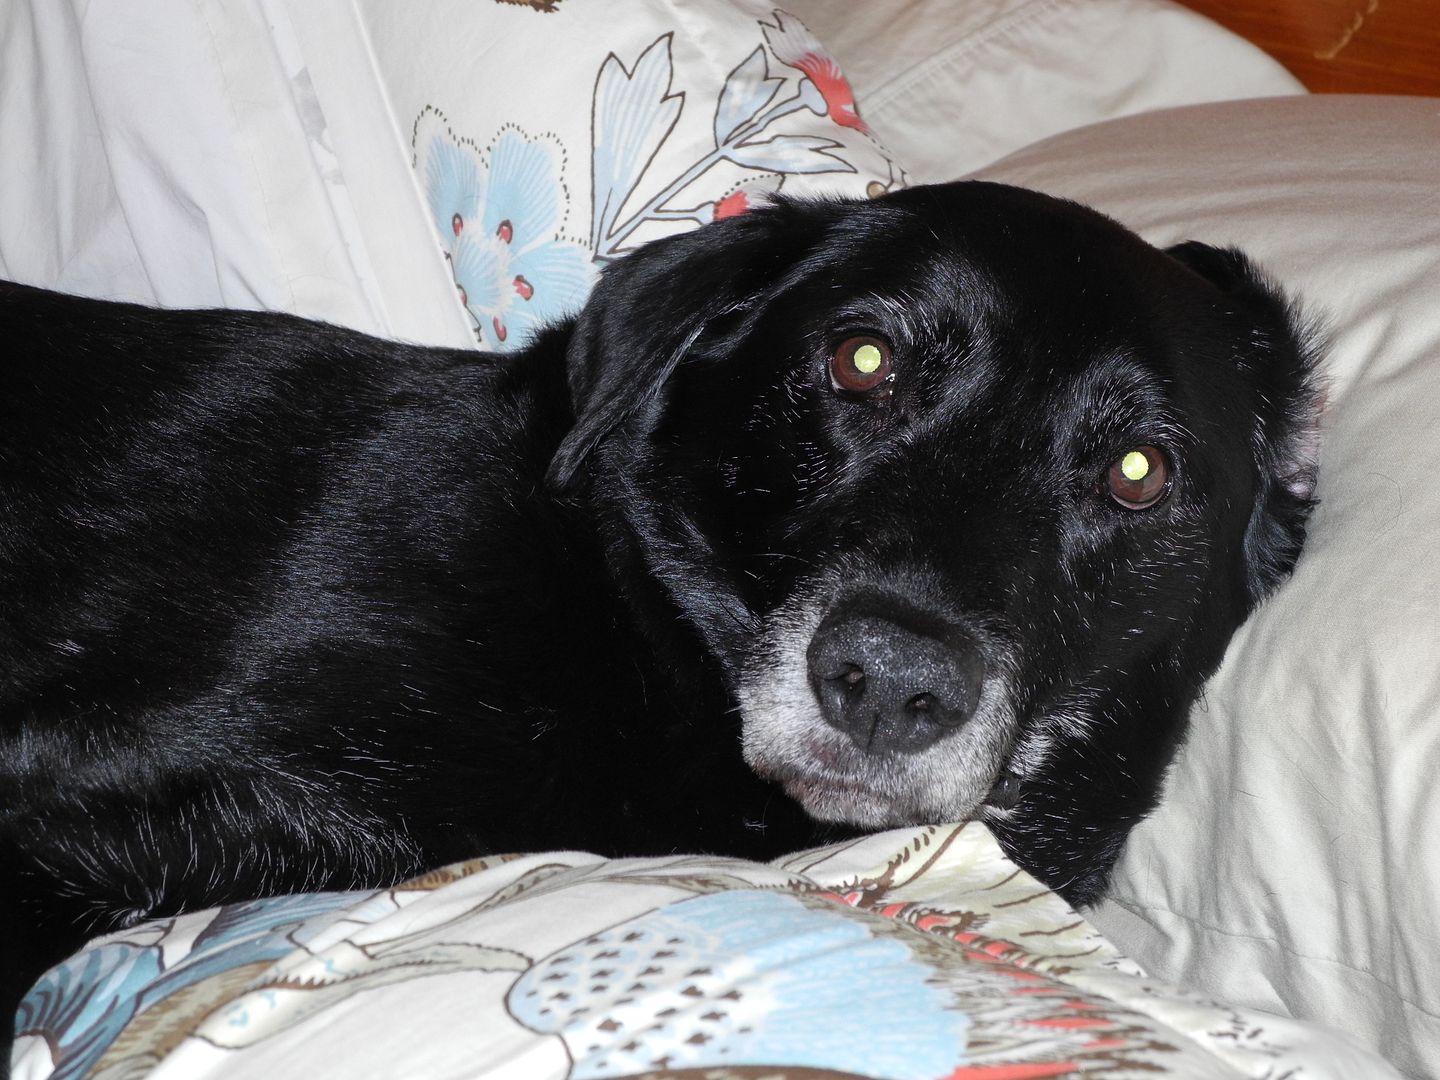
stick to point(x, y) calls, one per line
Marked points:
point(68, 874)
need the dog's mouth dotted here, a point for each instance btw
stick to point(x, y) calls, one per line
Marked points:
point(828, 795)
point(841, 779)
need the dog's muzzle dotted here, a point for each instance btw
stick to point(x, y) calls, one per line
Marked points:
point(889, 684)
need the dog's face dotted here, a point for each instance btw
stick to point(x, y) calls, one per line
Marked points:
point(965, 488)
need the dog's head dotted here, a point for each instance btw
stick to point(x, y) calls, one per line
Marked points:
point(948, 482)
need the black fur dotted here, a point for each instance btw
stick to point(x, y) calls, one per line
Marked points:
point(286, 607)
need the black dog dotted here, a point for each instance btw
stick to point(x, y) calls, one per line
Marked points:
point(936, 506)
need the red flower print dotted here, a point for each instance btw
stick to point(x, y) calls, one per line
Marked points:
point(796, 47)
point(732, 205)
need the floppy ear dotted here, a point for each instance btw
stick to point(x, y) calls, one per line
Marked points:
point(651, 307)
point(1281, 363)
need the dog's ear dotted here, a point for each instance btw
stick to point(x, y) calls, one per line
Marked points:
point(650, 308)
point(1280, 359)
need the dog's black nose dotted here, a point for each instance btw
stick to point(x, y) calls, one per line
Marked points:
point(889, 686)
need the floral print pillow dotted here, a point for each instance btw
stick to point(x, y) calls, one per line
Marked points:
point(915, 954)
point(584, 130)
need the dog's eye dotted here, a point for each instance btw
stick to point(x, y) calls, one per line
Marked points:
point(1139, 478)
point(861, 365)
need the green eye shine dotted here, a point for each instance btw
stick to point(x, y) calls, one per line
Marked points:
point(1135, 465)
point(861, 365)
point(868, 358)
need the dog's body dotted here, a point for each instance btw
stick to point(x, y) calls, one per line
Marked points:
point(287, 607)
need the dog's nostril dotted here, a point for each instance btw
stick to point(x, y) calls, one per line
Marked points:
point(853, 678)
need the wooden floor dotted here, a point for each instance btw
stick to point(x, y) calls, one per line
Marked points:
point(1343, 46)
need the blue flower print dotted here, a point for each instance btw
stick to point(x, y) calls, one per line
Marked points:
point(83, 1004)
point(743, 978)
point(500, 223)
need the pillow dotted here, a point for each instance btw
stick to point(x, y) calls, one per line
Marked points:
point(951, 87)
point(695, 108)
point(553, 137)
point(1292, 865)
point(910, 955)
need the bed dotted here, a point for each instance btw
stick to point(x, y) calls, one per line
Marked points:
point(1277, 917)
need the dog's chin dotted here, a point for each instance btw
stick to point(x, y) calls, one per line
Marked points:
point(840, 801)
point(839, 797)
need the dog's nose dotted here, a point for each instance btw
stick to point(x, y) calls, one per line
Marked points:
point(889, 686)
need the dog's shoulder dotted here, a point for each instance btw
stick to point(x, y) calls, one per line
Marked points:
point(189, 476)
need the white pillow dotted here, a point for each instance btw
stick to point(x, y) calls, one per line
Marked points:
point(1295, 862)
point(951, 87)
